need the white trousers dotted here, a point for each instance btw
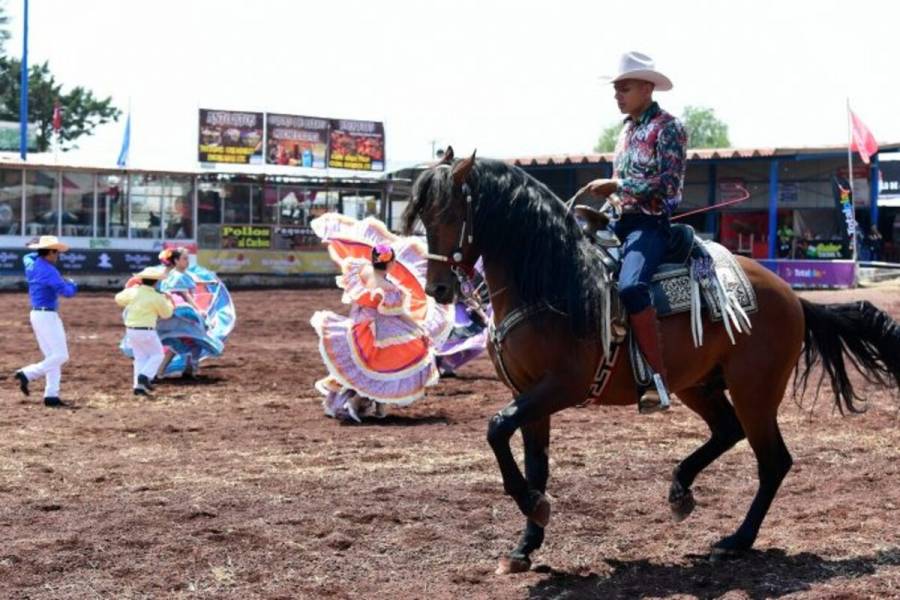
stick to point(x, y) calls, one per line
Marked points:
point(148, 352)
point(51, 337)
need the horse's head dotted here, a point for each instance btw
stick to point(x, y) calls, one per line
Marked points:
point(442, 200)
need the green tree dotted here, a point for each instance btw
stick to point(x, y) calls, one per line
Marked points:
point(4, 28)
point(607, 141)
point(704, 129)
point(82, 112)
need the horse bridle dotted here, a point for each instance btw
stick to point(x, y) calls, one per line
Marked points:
point(466, 237)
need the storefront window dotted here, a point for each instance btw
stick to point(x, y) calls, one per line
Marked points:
point(179, 208)
point(41, 203)
point(77, 204)
point(324, 201)
point(10, 201)
point(209, 214)
point(146, 206)
point(256, 203)
point(268, 210)
point(292, 231)
point(112, 206)
point(359, 206)
point(237, 203)
point(294, 204)
point(209, 203)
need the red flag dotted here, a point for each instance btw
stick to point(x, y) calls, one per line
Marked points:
point(57, 117)
point(861, 139)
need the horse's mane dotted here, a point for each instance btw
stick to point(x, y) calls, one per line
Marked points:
point(522, 224)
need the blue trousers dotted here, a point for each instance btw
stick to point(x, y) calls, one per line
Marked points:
point(644, 241)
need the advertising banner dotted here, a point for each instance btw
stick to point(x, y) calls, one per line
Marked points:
point(246, 236)
point(889, 172)
point(230, 137)
point(267, 262)
point(843, 200)
point(357, 145)
point(294, 237)
point(75, 261)
point(296, 141)
point(814, 273)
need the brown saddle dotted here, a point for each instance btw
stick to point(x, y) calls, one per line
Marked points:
point(592, 220)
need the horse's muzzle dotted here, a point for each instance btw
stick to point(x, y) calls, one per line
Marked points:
point(441, 292)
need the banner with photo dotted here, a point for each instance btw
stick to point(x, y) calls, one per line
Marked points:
point(228, 136)
point(357, 145)
point(296, 141)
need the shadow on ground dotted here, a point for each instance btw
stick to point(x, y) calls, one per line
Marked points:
point(769, 574)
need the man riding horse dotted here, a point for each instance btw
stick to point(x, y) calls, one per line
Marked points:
point(646, 186)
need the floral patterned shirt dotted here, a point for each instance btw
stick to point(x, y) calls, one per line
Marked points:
point(650, 161)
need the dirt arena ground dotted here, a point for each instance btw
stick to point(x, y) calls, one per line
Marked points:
point(236, 486)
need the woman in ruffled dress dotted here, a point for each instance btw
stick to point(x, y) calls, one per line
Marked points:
point(384, 351)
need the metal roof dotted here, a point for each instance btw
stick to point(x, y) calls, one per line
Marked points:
point(49, 162)
point(695, 154)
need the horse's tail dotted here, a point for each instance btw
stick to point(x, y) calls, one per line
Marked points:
point(867, 335)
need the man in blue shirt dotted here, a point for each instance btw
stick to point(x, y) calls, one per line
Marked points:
point(45, 285)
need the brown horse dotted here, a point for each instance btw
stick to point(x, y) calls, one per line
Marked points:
point(538, 263)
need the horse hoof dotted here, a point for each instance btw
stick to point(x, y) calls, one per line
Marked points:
point(509, 564)
point(682, 506)
point(540, 514)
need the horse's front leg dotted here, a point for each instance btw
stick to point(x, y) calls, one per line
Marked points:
point(526, 411)
point(536, 442)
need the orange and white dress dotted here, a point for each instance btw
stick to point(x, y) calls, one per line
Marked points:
point(385, 349)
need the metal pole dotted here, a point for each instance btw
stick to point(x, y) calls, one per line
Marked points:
point(874, 189)
point(23, 99)
point(773, 208)
point(712, 219)
point(850, 179)
point(24, 220)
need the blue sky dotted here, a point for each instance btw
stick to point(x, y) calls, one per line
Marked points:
point(510, 78)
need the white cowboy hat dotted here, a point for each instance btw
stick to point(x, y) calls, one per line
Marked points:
point(48, 242)
point(151, 273)
point(634, 65)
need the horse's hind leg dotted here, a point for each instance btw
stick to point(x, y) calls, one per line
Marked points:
point(756, 405)
point(536, 441)
point(709, 401)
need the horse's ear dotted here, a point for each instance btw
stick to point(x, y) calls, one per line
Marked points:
point(462, 169)
point(447, 158)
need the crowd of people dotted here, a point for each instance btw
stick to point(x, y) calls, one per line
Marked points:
point(794, 245)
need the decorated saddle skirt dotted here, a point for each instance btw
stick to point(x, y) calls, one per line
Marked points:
point(706, 277)
point(671, 287)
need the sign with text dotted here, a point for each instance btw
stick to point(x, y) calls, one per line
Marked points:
point(77, 260)
point(230, 137)
point(246, 236)
point(889, 173)
point(814, 273)
point(268, 262)
point(296, 141)
point(357, 145)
